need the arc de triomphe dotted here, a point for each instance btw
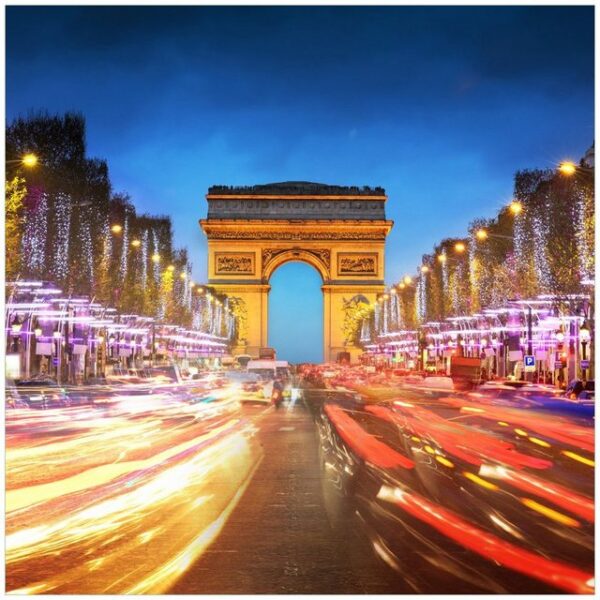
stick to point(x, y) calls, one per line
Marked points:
point(340, 231)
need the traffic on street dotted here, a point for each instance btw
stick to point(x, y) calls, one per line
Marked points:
point(132, 487)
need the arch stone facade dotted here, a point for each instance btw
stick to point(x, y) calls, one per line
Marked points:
point(340, 231)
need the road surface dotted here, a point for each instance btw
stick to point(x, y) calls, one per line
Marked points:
point(279, 540)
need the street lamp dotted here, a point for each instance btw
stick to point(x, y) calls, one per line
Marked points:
point(424, 269)
point(407, 279)
point(30, 160)
point(459, 247)
point(116, 228)
point(156, 258)
point(584, 335)
point(567, 167)
point(442, 258)
point(136, 243)
point(483, 234)
point(516, 208)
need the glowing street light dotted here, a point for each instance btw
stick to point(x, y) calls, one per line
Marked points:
point(156, 258)
point(516, 208)
point(171, 268)
point(183, 275)
point(442, 258)
point(584, 332)
point(483, 235)
point(30, 160)
point(459, 247)
point(424, 269)
point(407, 279)
point(116, 228)
point(567, 168)
point(401, 285)
point(136, 243)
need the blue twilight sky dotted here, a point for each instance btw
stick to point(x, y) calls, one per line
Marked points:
point(438, 105)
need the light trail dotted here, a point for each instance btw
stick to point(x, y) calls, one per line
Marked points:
point(124, 501)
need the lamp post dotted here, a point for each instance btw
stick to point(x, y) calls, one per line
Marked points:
point(584, 336)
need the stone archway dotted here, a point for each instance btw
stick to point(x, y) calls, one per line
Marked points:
point(339, 231)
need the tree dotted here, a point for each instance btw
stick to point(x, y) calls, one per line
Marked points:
point(13, 225)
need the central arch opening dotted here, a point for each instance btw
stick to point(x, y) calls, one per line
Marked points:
point(296, 313)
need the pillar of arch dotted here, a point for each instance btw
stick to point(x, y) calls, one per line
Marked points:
point(339, 231)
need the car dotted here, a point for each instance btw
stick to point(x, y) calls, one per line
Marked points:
point(528, 395)
point(577, 386)
point(251, 386)
point(38, 393)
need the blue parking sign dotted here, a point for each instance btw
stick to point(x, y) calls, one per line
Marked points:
point(529, 360)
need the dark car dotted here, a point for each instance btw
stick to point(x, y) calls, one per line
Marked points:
point(38, 393)
point(577, 387)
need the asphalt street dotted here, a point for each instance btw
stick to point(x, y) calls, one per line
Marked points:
point(279, 539)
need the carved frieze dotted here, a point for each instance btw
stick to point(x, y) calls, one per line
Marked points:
point(357, 264)
point(228, 234)
point(323, 254)
point(296, 209)
point(240, 263)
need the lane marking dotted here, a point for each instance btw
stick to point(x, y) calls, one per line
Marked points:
point(287, 428)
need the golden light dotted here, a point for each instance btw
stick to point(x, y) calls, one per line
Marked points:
point(407, 279)
point(386, 296)
point(136, 243)
point(171, 268)
point(116, 228)
point(442, 258)
point(38, 332)
point(424, 269)
point(183, 275)
point(459, 247)
point(156, 258)
point(393, 291)
point(100, 339)
point(482, 234)
point(192, 284)
point(402, 286)
point(201, 290)
point(567, 168)
point(30, 160)
point(516, 208)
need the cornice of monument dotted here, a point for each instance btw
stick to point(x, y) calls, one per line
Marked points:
point(296, 190)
